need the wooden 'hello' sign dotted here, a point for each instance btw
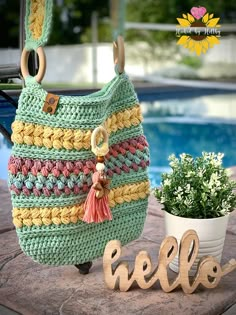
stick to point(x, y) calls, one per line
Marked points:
point(208, 274)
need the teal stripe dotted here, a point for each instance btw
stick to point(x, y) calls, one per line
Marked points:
point(129, 178)
point(78, 243)
point(33, 152)
point(32, 201)
point(49, 181)
point(22, 201)
point(78, 112)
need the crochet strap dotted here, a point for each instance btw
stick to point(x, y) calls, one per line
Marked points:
point(38, 20)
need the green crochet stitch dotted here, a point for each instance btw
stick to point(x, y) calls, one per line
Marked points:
point(49, 185)
point(51, 167)
point(38, 22)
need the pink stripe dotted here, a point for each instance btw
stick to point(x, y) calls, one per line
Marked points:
point(25, 165)
point(66, 168)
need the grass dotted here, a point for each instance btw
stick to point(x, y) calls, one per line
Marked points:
point(10, 86)
point(14, 86)
point(77, 86)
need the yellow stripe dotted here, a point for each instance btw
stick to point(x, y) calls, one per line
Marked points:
point(36, 18)
point(71, 214)
point(58, 138)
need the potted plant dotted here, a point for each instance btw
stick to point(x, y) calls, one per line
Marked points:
point(198, 194)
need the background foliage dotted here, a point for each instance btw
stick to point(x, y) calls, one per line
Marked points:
point(159, 11)
point(72, 19)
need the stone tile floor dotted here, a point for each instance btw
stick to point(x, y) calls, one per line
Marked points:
point(31, 289)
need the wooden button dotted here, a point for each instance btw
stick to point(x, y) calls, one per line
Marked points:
point(51, 100)
point(49, 109)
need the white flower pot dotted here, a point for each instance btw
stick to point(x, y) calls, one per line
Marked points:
point(211, 234)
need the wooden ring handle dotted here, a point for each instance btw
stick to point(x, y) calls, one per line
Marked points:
point(104, 148)
point(119, 54)
point(42, 64)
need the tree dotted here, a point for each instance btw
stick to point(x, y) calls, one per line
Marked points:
point(159, 11)
point(9, 23)
point(71, 21)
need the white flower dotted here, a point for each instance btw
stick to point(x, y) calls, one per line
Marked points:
point(183, 156)
point(171, 157)
point(179, 197)
point(163, 199)
point(173, 160)
point(173, 164)
point(188, 202)
point(205, 156)
point(188, 187)
point(213, 192)
point(225, 205)
point(216, 163)
point(214, 176)
point(186, 157)
point(217, 183)
point(189, 174)
point(167, 182)
point(200, 173)
point(210, 184)
point(215, 160)
point(205, 184)
point(223, 212)
point(214, 180)
point(179, 191)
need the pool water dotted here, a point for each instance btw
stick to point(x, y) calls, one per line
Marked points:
point(190, 125)
point(176, 137)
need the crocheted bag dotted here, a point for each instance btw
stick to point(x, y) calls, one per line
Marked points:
point(51, 168)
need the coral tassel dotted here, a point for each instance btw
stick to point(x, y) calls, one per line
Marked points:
point(96, 205)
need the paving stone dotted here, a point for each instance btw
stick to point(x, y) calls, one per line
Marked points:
point(5, 208)
point(33, 289)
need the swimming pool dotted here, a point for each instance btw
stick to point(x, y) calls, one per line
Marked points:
point(192, 126)
point(172, 124)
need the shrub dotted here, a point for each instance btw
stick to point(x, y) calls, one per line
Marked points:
point(197, 188)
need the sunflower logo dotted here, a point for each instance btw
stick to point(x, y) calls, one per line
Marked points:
point(195, 39)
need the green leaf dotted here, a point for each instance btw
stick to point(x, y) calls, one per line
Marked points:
point(198, 196)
